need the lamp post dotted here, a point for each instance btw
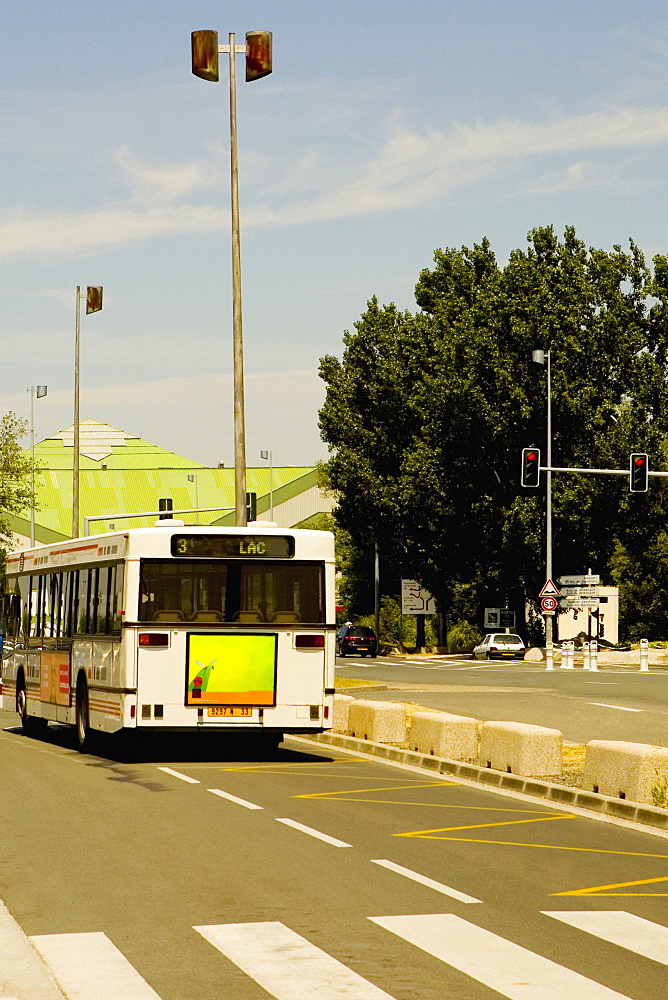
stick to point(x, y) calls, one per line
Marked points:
point(39, 391)
point(269, 455)
point(205, 51)
point(93, 298)
point(540, 357)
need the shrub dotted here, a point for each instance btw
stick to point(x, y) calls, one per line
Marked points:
point(462, 637)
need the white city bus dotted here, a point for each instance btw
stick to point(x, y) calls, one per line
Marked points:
point(173, 628)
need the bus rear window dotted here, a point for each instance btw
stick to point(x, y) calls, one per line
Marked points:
point(231, 592)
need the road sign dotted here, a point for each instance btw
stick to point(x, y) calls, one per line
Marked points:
point(579, 581)
point(579, 591)
point(579, 603)
point(550, 590)
point(415, 600)
point(499, 618)
point(549, 604)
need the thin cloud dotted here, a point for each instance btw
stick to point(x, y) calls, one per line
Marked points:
point(409, 169)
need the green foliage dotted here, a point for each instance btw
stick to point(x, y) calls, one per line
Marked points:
point(462, 637)
point(397, 629)
point(15, 468)
point(659, 790)
point(426, 416)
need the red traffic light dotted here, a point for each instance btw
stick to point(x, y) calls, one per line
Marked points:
point(638, 473)
point(530, 467)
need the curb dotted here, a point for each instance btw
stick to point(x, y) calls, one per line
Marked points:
point(601, 806)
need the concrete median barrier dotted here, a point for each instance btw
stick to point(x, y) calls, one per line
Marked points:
point(341, 705)
point(517, 748)
point(440, 734)
point(379, 721)
point(635, 771)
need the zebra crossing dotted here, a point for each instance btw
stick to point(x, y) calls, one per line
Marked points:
point(88, 966)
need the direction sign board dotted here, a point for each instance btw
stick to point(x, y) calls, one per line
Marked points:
point(579, 591)
point(579, 581)
point(415, 600)
point(579, 603)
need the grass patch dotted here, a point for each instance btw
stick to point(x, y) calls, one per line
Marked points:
point(353, 682)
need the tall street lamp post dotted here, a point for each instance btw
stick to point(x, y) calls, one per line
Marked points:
point(541, 357)
point(93, 299)
point(39, 391)
point(205, 51)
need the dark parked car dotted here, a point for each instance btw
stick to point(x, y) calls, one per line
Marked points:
point(356, 639)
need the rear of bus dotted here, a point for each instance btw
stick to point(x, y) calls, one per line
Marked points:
point(232, 629)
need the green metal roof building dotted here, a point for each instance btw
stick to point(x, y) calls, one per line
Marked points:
point(120, 474)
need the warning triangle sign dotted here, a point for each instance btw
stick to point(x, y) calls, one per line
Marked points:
point(550, 590)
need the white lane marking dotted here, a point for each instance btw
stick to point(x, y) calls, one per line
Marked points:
point(286, 965)
point(511, 970)
point(429, 882)
point(233, 798)
point(622, 708)
point(90, 967)
point(177, 774)
point(313, 833)
point(619, 927)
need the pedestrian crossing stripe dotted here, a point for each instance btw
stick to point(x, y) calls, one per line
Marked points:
point(603, 890)
point(618, 927)
point(286, 965)
point(88, 966)
point(500, 964)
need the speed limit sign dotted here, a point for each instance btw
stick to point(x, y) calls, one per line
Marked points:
point(549, 604)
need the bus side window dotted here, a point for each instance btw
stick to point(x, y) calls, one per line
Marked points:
point(116, 600)
point(81, 623)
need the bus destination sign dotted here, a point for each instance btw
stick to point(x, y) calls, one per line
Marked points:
point(233, 546)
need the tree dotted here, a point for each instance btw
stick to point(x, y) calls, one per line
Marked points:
point(427, 414)
point(15, 471)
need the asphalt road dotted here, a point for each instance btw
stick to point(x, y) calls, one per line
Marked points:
point(185, 871)
point(611, 704)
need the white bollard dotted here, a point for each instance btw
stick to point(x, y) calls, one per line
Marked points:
point(644, 654)
point(549, 656)
point(593, 655)
point(585, 656)
point(568, 655)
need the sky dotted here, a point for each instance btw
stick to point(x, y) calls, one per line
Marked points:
point(386, 131)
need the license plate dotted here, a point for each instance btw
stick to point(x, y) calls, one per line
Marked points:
point(225, 712)
point(363, 649)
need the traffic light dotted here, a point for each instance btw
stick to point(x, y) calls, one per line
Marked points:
point(638, 472)
point(530, 466)
point(251, 506)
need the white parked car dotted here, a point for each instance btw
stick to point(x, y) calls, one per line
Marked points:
point(501, 645)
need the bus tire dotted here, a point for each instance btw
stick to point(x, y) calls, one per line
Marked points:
point(30, 725)
point(82, 719)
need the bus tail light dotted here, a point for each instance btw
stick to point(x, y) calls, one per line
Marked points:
point(153, 639)
point(309, 641)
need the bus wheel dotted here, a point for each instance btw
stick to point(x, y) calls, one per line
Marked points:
point(82, 716)
point(22, 705)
